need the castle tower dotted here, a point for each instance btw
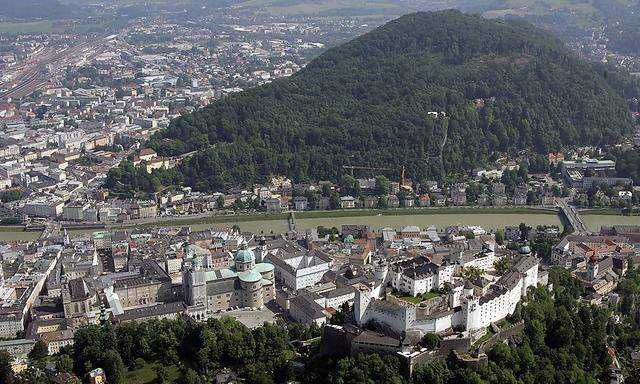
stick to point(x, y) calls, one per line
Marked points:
point(472, 313)
point(360, 304)
point(379, 279)
point(380, 273)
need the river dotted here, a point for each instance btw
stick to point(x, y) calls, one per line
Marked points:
point(441, 221)
point(594, 222)
point(488, 221)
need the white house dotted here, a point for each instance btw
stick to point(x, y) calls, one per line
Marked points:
point(419, 276)
point(299, 269)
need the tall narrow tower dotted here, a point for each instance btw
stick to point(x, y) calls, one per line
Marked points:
point(592, 267)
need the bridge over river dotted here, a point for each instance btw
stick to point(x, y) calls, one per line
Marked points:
point(573, 217)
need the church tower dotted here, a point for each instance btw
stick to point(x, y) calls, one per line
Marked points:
point(592, 267)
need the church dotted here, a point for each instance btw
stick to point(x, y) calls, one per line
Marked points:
point(249, 283)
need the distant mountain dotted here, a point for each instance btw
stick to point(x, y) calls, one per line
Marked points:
point(35, 9)
point(438, 93)
point(333, 7)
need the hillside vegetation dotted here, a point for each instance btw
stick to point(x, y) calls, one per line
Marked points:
point(502, 85)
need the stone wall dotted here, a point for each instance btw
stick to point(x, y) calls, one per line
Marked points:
point(512, 331)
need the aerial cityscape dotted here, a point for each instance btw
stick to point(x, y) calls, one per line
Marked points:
point(330, 191)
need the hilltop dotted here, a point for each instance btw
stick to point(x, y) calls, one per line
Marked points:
point(494, 85)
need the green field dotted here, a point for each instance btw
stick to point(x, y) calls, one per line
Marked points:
point(22, 28)
point(311, 7)
point(420, 298)
point(147, 374)
point(540, 7)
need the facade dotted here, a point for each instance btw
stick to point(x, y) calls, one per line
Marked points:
point(347, 202)
point(300, 269)
point(78, 301)
point(301, 203)
point(46, 207)
point(502, 297)
point(588, 164)
point(466, 307)
point(151, 286)
point(143, 210)
point(56, 340)
point(159, 312)
point(308, 309)
point(483, 260)
point(419, 276)
point(459, 196)
point(17, 347)
point(97, 376)
point(246, 284)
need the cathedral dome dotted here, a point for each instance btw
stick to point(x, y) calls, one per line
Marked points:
point(245, 256)
point(525, 250)
point(250, 276)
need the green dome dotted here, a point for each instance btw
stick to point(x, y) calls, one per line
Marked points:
point(250, 276)
point(245, 256)
point(525, 250)
point(264, 267)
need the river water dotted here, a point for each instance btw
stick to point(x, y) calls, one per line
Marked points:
point(440, 221)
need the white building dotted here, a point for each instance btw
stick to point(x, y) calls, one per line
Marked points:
point(462, 307)
point(75, 211)
point(482, 260)
point(308, 309)
point(503, 296)
point(419, 275)
point(44, 207)
point(299, 269)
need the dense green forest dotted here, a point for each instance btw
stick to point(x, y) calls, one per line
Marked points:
point(627, 164)
point(502, 85)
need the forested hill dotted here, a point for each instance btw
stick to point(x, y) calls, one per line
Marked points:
point(503, 85)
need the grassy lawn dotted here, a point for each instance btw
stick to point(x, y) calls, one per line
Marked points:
point(420, 298)
point(147, 374)
point(601, 211)
point(30, 27)
point(11, 228)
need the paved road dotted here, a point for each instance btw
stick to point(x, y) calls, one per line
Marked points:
point(572, 215)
